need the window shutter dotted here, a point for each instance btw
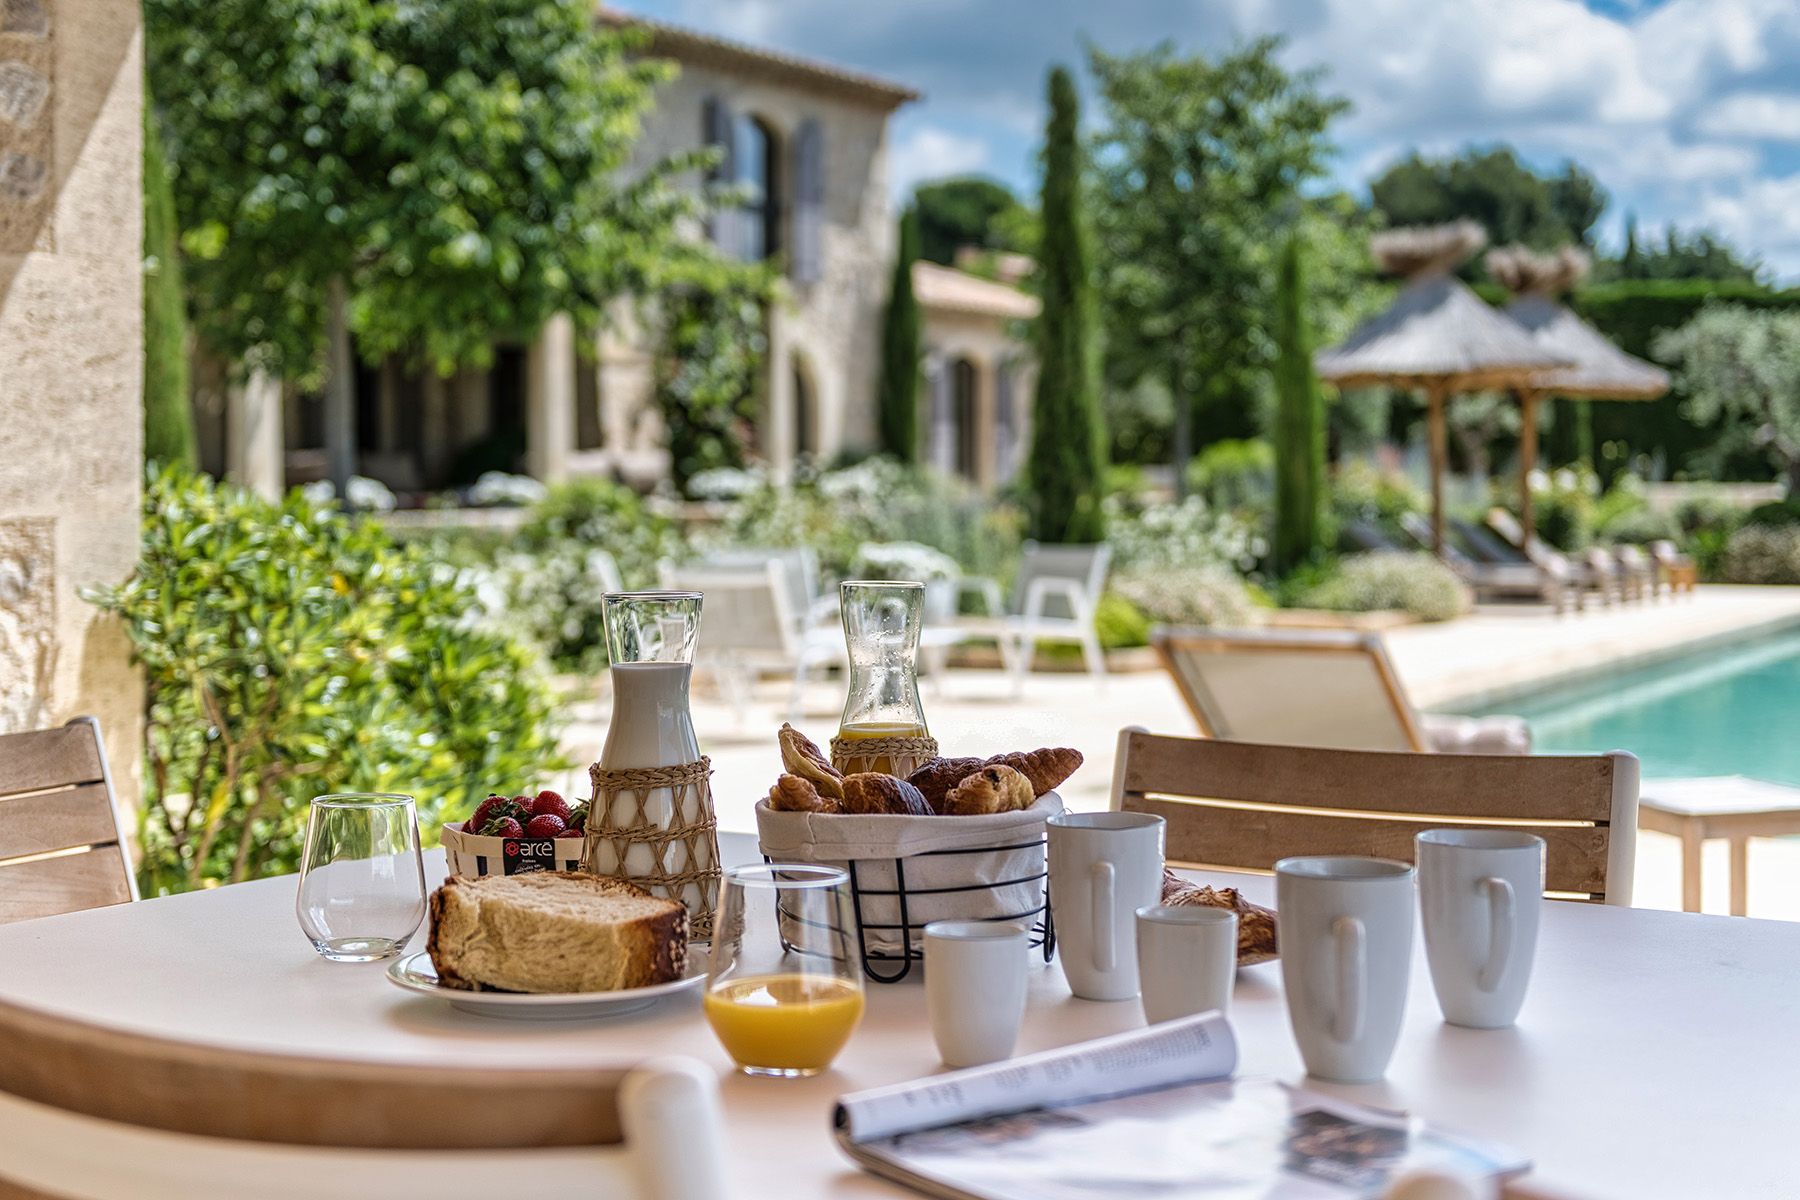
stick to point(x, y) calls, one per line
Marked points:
point(722, 224)
point(806, 261)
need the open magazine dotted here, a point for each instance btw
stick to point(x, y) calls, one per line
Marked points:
point(1152, 1112)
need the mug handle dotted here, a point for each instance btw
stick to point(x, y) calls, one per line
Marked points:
point(1105, 954)
point(1352, 977)
point(1501, 916)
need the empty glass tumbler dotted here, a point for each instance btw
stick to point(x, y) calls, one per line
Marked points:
point(362, 879)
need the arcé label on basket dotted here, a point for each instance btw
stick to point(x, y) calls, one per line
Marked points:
point(522, 855)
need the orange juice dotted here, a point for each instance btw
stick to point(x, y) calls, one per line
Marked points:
point(866, 730)
point(784, 1024)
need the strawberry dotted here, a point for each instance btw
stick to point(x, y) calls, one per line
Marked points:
point(503, 827)
point(578, 818)
point(545, 825)
point(571, 832)
point(468, 826)
point(550, 802)
point(485, 811)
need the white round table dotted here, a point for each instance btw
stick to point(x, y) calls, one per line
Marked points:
point(1656, 1056)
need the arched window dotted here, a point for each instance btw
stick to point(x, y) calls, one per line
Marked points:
point(963, 400)
point(758, 176)
point(806, 411)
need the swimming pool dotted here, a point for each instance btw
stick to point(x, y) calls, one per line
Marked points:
point(1730, 710)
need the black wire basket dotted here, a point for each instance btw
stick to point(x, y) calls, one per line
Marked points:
point(902, 900)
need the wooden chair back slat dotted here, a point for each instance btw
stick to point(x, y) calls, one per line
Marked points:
point(56, 800)
point(49, 758)
point(1247, 805)
point(207, 1091)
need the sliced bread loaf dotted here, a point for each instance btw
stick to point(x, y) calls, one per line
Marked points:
point(554, 931)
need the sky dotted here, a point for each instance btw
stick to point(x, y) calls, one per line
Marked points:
point(1688, 111)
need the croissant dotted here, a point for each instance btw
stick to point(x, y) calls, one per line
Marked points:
point(791, 793)
point(874, 792)
point(1044, 768)
point(1256, 925)
point(802, 757)
point(992, 789)
point(937, 777)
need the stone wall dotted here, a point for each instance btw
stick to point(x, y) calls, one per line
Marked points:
point(830, 329)
point(71, 362)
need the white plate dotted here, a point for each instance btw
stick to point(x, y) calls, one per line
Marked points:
point(415, 973)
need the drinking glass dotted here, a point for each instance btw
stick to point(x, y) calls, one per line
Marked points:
point(783, 992)
point(362, 879)
point(881, 637)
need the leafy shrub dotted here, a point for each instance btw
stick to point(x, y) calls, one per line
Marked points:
point(1120, 623)
point(1762, 554)
point(288, 652)
point(1641, 525)
point(904, 560)
point(1207, 594)
point(1776, 514)
point(1235, 475)
point(1414, 583)
point(548, 580)
point(1564, 504)
point(1189, 534)
point(1361, 492)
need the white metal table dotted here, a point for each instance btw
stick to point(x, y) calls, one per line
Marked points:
point(1657, 1054)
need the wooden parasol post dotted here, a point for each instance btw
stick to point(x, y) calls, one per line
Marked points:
point(1437, 432)
point(1528, 402)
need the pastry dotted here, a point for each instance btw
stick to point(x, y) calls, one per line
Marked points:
point(803, 758)
point(937, 777)
point(990, 789)
point(794, 794)
point(873, 792)
point(1045, 768)
point(1256, 924)
point(554, 931)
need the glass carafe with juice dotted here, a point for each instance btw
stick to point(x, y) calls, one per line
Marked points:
point(881, 633)
point(783, 993)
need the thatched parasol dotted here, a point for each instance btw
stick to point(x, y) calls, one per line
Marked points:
point(1437, 336)
point(1602, 371)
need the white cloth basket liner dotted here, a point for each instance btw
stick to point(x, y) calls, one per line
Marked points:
point(875, 842)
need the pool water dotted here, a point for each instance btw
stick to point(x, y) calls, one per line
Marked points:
point(1731, 710)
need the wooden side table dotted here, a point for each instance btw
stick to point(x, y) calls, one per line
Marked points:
point(1727, 806)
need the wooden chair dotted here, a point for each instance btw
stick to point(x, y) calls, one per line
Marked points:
point(96, 1112)
point(1245, 805)
point(61, 844)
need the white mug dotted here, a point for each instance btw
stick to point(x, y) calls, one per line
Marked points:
point(1187, 960)
point(1104, 866)
point(1480, 892)
point(1346, 958)
point(975, 978)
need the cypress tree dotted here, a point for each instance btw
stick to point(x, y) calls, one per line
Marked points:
point(168, 416)
point(898, 400)
point(1299, 434)
point(1067, 434)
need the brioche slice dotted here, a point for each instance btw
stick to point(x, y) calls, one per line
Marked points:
point(554, 931)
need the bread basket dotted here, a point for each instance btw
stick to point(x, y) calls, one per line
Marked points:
point(906, 872)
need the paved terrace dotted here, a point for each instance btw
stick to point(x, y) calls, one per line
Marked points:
point(1495, 652)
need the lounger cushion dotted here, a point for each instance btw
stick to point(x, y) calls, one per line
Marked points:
point(1476, 735)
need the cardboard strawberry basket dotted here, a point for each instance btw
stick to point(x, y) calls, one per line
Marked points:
point(474, 855)
point(906, 872)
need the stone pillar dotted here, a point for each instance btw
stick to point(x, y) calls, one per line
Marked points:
point(434, 427)
point(778, 418)
point(550, 401)
point(940, 419)
point(255, 452)
point(71, 364)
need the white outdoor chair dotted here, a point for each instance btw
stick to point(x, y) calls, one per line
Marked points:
point(110, 1114)
point(1315, 687)
point(808, 604)
point(1053, 600)
point(747, 626)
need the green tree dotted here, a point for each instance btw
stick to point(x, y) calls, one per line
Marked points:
point(428, 178)
point(897, 404)
point(708, 371)
point(966, 211)
point(1744, 366)
point(1068, 439)
point(168, 412)
point(1299, 420)
point(1198, 169)
point(1516, 205)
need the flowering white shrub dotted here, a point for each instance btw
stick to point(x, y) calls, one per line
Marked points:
point(1411, 582)
point(904, 560)
point(1188, 534)
point(369, 495)
point(1211, 594)
point(498, 488)
point(725, 483)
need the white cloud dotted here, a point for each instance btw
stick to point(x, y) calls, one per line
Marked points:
point(1774, 116)
point(929, 152)
point(1764, 214)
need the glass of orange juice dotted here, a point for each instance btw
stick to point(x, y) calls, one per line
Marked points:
point(784, 990)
